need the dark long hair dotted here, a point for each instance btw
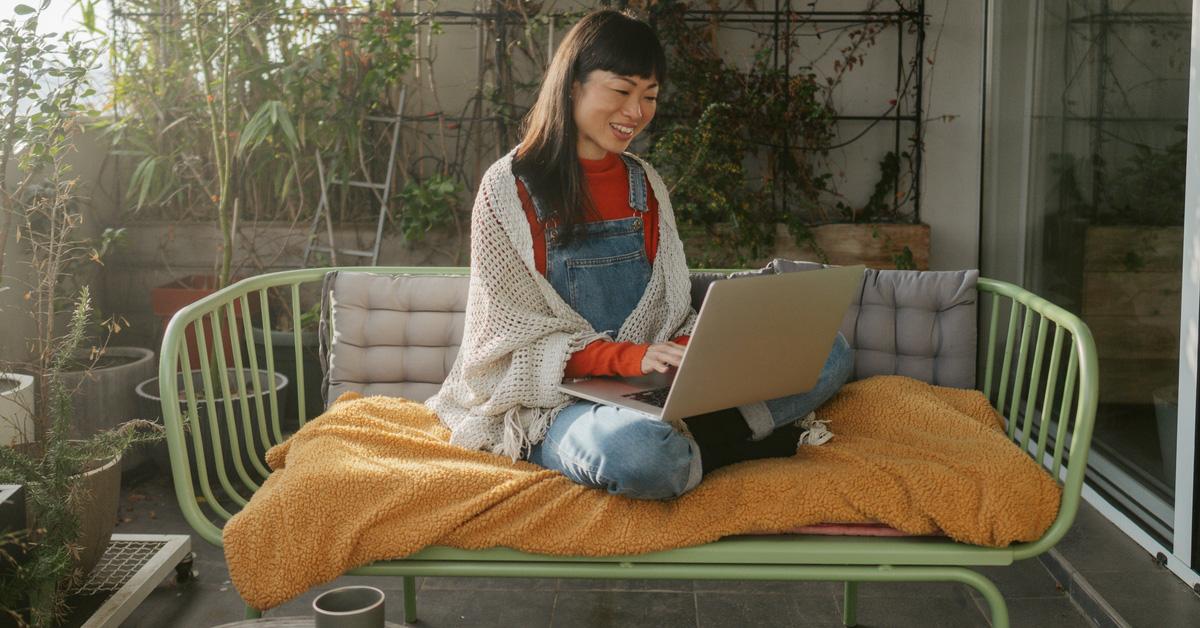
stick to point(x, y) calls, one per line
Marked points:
point(548, 158)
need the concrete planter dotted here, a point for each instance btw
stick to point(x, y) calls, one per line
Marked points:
point(151, 403)
point(16, 408)
point(283, 348)
point(98, 495)
point(104, 396)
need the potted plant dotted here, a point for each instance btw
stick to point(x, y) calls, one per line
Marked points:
point(72, 491)
point(44, 85)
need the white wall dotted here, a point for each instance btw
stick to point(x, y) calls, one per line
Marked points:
point(951, 175)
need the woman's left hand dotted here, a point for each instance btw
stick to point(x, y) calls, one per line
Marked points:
point(661, 357)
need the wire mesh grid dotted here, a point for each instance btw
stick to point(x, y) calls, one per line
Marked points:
point(120, 562)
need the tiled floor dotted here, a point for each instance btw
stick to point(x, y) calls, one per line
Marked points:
point(1145, 594)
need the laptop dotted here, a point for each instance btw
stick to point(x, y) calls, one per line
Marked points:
point(756, 338)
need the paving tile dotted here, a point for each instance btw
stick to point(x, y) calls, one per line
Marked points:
point(1090, 532)
point(196, 605)
point(604, 584)
point(790, 587)
point(1024, 578)
point(1058, 612)
point(442, 583)
point(1162, 602)
point(933, 590)
point(624, 609)
point(764, 610)
point(482, 609)
point(916, 610)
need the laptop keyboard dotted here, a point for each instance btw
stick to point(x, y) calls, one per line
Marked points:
point(656, 397)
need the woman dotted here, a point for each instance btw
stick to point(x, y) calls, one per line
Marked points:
point(577, 270)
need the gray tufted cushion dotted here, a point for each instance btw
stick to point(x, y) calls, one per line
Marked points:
point(399, 335)
point(920, 324)
point(394, 335)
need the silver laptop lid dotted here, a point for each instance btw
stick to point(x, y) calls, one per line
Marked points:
point(759, 338)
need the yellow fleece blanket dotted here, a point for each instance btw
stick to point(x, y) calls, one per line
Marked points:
point(376, 478)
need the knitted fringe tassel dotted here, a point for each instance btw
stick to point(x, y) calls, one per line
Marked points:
point(816, 431)
point(520, 438)
point(515, 441)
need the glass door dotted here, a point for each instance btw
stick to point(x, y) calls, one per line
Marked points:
point(1085, 171)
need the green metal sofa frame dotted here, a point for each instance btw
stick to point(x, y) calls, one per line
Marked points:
point(1049, 405)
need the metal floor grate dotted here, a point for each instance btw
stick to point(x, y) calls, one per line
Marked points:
point(120, 562)
point(131, 567)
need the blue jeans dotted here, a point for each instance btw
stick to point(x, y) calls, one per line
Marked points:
point(602, 274)
point(628, 453)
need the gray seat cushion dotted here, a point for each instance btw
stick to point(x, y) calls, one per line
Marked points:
point(399, 335)
point(395, 335)
point(921, 324)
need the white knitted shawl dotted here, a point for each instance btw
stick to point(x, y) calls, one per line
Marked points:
point(500, 394)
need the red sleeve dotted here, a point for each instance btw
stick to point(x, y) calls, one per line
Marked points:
point(601, 357)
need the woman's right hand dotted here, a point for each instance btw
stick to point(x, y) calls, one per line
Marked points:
point(661, 357)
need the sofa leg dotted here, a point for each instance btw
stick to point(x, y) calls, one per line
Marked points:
point(850, 604)
point(252, 613)
point(994, 599)
point(410, 599)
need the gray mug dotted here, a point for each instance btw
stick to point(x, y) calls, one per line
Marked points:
point(349, 607)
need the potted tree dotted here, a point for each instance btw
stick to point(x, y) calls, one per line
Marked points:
point(72, 486)
point(43, 83)
point(73, 490)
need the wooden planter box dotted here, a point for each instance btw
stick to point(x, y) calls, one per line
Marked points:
point(1131, 301)
point(874, 244)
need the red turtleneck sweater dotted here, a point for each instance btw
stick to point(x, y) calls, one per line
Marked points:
point(608, 184)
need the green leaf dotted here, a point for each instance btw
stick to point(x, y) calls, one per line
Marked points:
point(257, 128)
point(289, 130)
point(143, 178)
point(23, 9)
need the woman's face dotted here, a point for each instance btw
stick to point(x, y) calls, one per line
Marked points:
point(610, 110)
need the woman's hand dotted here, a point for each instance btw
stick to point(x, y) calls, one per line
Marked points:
point(662, 356)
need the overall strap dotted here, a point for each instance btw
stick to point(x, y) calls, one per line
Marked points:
point(637, 184)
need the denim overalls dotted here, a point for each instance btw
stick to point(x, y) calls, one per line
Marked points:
point(602, 274)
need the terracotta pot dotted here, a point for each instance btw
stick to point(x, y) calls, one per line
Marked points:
point(166, 300)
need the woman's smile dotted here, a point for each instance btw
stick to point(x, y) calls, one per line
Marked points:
point(610, 110)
